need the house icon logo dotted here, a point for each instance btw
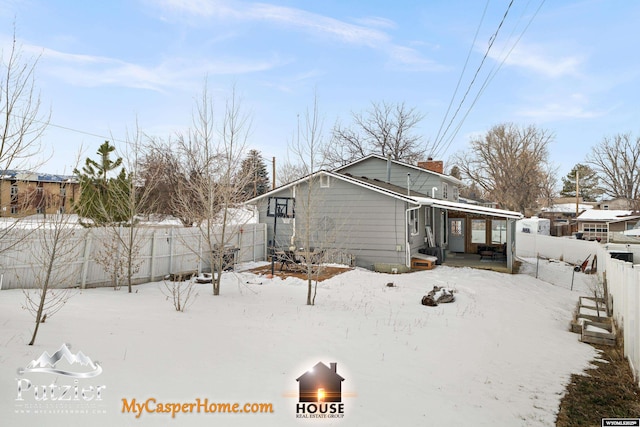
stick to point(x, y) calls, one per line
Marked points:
point(320, 392)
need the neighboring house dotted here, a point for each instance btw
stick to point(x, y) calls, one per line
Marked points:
point(616, 204)
point(384, 212)
point(563, 215)
point(25, 193)
point(596, 224)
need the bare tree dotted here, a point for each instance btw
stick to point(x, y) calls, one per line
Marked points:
point(180, 292)
point(136, 197)
point(21, 122)
point(548, 182)
point(510, 164)
point(212, 189)
point(385, 129)
point(161, 173)
point(290, 171)
point(53, 254)
point(316, 234)
point(617, 161)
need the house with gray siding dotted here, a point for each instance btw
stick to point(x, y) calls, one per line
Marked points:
point(383, 213)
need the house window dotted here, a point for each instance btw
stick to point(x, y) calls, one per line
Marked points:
point(478, 231)
point(498, 231)
point(39, 210)
point(324, 181)
point(14, 190)
point(413, 221)
point(594, 230)
point(445, 191)
point(605, 207)
point(456, 194)
point(14, 209)
point(456, 227)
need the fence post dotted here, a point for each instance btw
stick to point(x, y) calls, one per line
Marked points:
point(85, 261)
point(171, 239)
point(152, 262)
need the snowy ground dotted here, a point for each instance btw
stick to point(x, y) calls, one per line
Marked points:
point(500, 355)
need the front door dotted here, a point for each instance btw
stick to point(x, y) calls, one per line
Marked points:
point(456, 234)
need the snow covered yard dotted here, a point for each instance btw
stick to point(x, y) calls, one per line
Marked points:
point(499, 355)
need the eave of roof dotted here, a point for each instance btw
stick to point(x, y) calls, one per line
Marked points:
point(463, 207)
point(414, 167)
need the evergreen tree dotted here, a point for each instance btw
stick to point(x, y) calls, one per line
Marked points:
point(589, 187)
point(254, 173)
point(102, 197)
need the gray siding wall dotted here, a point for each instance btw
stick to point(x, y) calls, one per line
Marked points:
point(420, 181)
point(350, 219)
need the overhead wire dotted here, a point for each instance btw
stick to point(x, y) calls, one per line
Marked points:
point(492, 40)
point(491, 75)
point(464, 68)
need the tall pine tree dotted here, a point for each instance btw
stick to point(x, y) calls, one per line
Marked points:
point(102, 196)
point(589, 181)
point(254, 173)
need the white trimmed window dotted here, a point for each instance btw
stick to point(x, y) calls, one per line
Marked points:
point(325, 181)
point(414, 222)
point(445, 191)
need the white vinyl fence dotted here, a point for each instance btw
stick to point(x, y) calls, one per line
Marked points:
point(161, 251)
point(623, 279)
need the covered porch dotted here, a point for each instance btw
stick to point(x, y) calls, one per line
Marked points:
point(470, 235)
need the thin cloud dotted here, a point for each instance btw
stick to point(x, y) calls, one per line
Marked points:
point(376, 21)
point(540, 60)
point(92, 71)
point(572, 108)
point(367, 34)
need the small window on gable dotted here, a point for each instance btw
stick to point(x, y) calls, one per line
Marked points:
point(325, 181)
point(445, 190)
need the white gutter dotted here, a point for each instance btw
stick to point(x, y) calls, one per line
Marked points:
point(292, 243)
point(408, 234)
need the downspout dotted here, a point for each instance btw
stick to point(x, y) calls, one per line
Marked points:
point(408, 234)
point(293, 232)
point(388, 168)
point(433, 216)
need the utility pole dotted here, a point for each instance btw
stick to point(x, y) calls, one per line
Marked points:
point(273, 172)
point(577, 192)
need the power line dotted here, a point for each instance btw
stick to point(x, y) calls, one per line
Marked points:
point(492, 40)
point(464, 68)
point(491, 75)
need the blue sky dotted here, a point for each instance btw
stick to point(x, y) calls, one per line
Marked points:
point(570, 67)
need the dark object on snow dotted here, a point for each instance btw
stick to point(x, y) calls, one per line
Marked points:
point(204, 278)
point(428, 300)
point(390, 285)
point(180, 277)
point(438, 295)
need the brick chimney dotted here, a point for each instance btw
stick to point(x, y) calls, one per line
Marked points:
point(432, 165)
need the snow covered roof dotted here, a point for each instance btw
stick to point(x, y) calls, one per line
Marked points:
point(567, 208)
point(464, 207)
point(397, 162)
point(19, 175)
point(607, 215)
